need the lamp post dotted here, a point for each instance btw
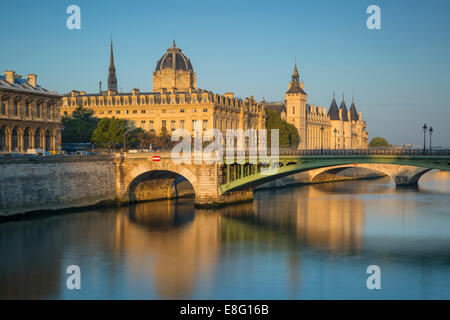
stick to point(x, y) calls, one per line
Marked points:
point(335, 133)
point(424, 134)
point(431, 133)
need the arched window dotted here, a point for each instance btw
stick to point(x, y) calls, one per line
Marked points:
point(38, 110)
point(48, 140)
point(3, 138)
point(37, 139)
point(15, 140)
point(26, 139)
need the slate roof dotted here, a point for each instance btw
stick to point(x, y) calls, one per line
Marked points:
point(174, 59)
point(353, 113)
point(343, 107)
point(333, 112)
point(23, 85)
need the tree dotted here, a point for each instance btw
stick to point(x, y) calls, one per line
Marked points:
point(78, 128)
point(288, 134)
point(378, 142)
point(110, 132)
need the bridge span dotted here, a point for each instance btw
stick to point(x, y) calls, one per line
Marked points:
point(221, 183)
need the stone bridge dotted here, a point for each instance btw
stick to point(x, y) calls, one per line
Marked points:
point(141, 177)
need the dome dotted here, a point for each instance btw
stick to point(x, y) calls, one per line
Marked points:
point(174, 59)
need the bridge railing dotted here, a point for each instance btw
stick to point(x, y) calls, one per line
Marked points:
point(357, 152)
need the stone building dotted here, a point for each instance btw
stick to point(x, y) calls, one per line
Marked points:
point(338, 128)
point(175, 101)
point(29, 115)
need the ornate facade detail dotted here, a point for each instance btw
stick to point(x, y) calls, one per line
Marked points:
point(29, 115)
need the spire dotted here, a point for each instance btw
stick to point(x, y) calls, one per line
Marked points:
point(333, 112)
point(353, 113)
point(174, 46)
point(112, 80)
point(343, 107)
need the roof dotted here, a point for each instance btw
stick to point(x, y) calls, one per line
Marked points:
point(295, 89)
point(23, 85)
point(278, 107)
point(174, 59)
point(343, 107)
point(353, 113)
point(333, 112)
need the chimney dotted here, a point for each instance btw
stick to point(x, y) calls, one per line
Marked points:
point(32, 79)
point(10, 75)
point(135, 92)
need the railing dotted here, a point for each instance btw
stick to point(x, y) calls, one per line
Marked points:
point(363, 152)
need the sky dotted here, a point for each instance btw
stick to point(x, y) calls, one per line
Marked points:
point(399, 75)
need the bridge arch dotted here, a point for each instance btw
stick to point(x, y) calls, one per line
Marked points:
point(166, 174)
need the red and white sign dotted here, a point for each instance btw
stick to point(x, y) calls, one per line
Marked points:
point(156, 158)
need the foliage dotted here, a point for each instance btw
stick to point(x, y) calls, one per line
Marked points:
point(111, 132)
point(378, 142)
point(78, 128)
point(288, 134)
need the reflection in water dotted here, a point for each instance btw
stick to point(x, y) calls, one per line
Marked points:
point(307, 242)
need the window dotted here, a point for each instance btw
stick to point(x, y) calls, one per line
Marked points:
point(194, 123)
point(182, 110)
point(142, 124)
point(205, 110)
point(117, 111)
point(65, 114)
point(3, 107)
point(152, 129)
point(163, 110)
point(102, 112)
point(164, 124)
point(182, 124)
point(172, 125)
point(38, 110)
point(142, 111)
point(109, 112)
point(293, 110)
point(205, 124)
point(134, 111)
point(27, 109)
point(126, 111)
point(194, 110)
point(16, 111)
point(49, 112)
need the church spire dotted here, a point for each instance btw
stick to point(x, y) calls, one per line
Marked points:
point(112, 80)
point(295, 76)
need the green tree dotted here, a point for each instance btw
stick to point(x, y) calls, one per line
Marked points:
point(378, 142)
point(78, 128)
point(111, 132)
point(288, 134)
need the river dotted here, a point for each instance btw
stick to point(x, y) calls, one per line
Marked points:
point(308, 242)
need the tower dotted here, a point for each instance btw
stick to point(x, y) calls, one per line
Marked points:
point(112, 80)
point(295, 102)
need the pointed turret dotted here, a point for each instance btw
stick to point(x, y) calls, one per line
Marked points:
point(353, 113)
point(333, 112)
point(112, 80)
point(343, 107)
point(294, 86)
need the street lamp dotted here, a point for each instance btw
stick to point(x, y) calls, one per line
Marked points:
point(335, 133)
point(431, 133)
point(424, 134)
point(321, 139)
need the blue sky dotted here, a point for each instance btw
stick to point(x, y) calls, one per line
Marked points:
point(399, 74)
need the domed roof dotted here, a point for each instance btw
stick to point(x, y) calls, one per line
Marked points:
point(174, 59)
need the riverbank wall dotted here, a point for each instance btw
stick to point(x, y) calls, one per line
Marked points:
point(52, 183)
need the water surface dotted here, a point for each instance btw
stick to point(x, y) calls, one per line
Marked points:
point(310, 242)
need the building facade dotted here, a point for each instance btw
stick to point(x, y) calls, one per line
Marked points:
point(29, 115)
point(338, 128)
point(175, 101)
